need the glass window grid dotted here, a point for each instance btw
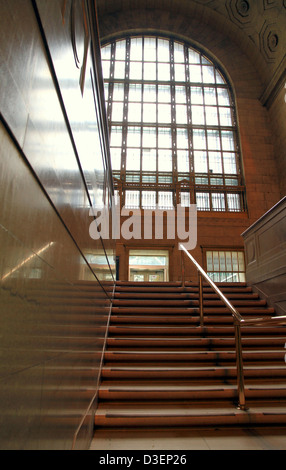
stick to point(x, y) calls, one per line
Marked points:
point(201, 94)
point(225, 265)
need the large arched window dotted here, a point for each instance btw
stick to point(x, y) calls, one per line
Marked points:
point(173, 130)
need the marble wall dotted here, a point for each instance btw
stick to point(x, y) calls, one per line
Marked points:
point(56, 282)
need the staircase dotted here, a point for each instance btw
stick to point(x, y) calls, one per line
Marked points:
point(162, 369)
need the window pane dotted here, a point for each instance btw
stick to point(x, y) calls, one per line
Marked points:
point(199, 139)
point(227, 140)
point(225, 116)
point(133, 136)
point(149, 137)
point(208, 74)
point(219, 79)
point(194, 57)
point(116, 136)
point(165, 160)
point(118, 92)
point(185, 199)
point(134, 112)
point(182, 139)
point(215, 261)
point(213, 140)
point(135, 92)
point(117, 111)
point(195, 73)
point(149, 71)
point(183, 161)
point(150, 93)
point(163, 50)
point(198, 116)
point(133, 159)
point(180, 74)
point(218, 202)
point(119, 69)
point(136, 49)
point(181, 94)
point(149, 160)
point(149, 112)
point(164, 113)
point(215, 164)
point(164, 94)
point(241, 265)
point(132, 199)
point(210, 96)
point(211, 116)
point(209, 260)
point(233, 202)
point(229, 163)
point(234, 260)
point(179, 55)
point(148, 199)
point(181, 114)
point(105, 68)
point(115, 154)
point(164, 137)
point(200, 162)
point(106, 52)
point(135, 71)
point(120, 50)
point(149, 49)
point(164, 72)
point(197, 95)
point(106, 92)
point(203, 201)
point(222, 263)
point(165, 200)
point(223, 97)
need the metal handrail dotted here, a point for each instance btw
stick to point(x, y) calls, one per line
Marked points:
point(238, 321)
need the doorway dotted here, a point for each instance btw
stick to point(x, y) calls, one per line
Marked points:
point(148, 265)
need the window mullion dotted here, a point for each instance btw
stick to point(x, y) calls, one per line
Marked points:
point(173, 115)
point(125, 112)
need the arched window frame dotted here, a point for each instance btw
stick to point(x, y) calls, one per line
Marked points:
point(174, 167)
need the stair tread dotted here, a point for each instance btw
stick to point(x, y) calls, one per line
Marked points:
point(170, 410)
point(179, 387)
point(182, 368)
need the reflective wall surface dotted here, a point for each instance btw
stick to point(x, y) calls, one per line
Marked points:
point(56, 281)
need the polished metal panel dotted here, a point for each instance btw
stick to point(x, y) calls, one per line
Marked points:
point(56, 282)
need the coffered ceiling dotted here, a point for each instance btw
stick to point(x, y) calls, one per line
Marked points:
point(257, 28)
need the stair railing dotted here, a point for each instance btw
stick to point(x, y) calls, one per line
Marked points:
point(238, 321)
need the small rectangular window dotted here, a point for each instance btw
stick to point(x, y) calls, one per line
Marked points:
point(165, 200)
point(148, 199)
point(203, 201)
point(225, 265)
point(132, 199)
point(185, 199)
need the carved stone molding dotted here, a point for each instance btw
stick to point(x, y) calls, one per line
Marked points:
point(241, 12)
point(269, 38)
point(269, 4)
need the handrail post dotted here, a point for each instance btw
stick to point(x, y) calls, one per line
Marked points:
point(201, 299)
point(239, 366)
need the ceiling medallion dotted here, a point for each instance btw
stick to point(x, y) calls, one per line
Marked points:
point(272, 41)
point(242, 12)
point(269, 41)
point(243, 7)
